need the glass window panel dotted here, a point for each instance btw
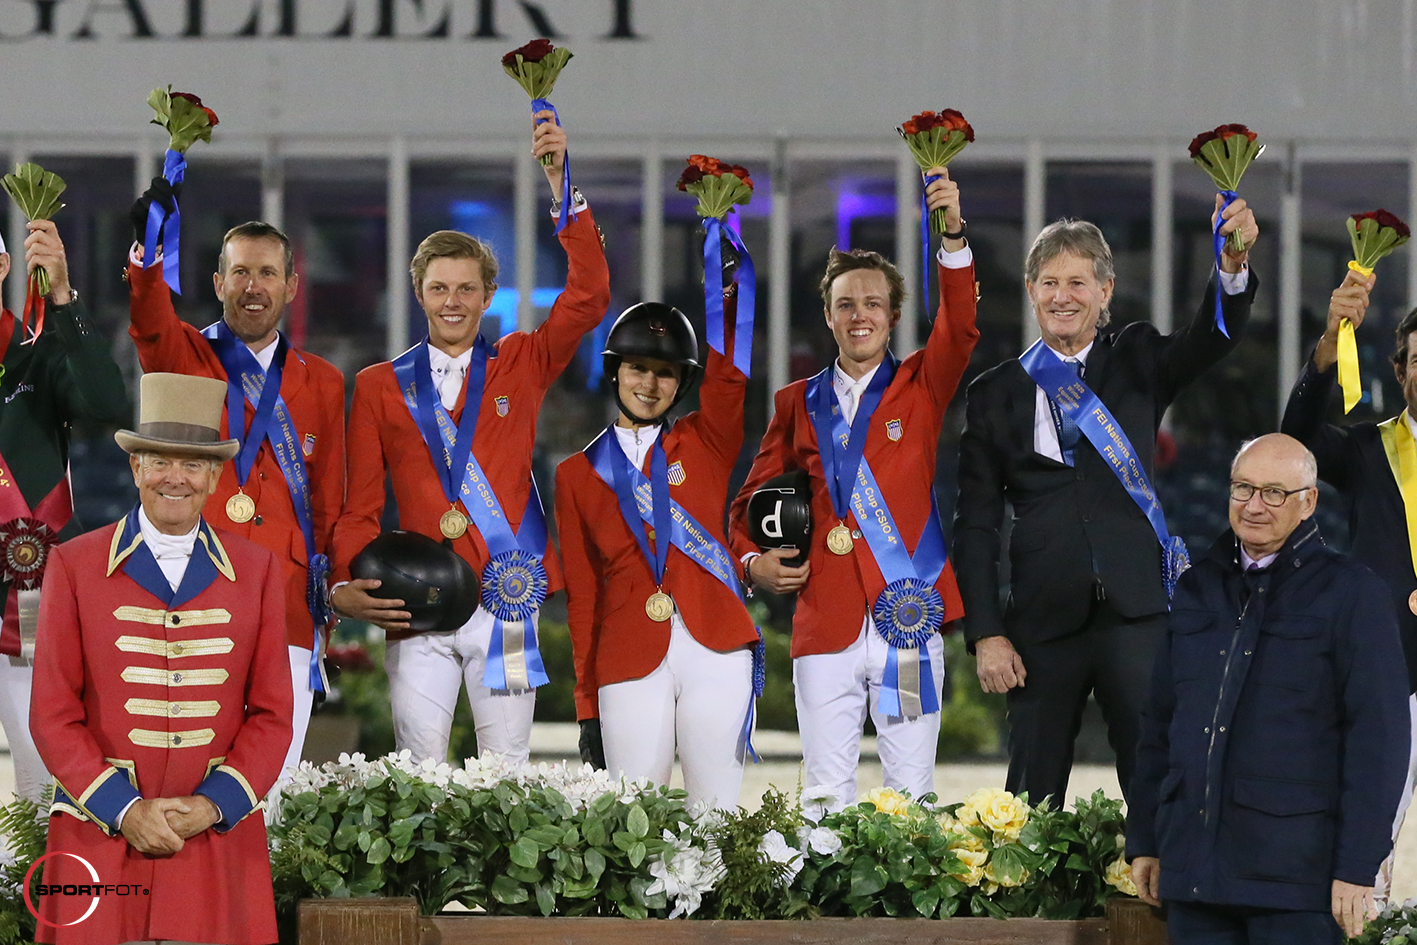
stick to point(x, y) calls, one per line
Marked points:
point(991, 196)
point(216, 196)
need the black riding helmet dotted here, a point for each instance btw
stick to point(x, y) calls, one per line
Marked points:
point(652, 330)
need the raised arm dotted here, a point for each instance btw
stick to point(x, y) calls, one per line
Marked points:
point(954, 335)
point(719, 418)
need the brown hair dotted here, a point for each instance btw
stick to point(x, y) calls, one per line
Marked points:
point(256, 230)
point(842, 262)
point(1405, 328)
point(450, 244)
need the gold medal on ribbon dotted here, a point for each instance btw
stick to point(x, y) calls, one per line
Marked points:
point(839, 540)
point(1412, 602)
point(240, 508)
point(659, 607)
point(453, 524)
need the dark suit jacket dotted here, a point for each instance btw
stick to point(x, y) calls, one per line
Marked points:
point(1074, 527)
point(1352, 460)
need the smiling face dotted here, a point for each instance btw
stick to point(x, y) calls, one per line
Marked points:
point(1273, 461)
point(1068, 301)
point(861, 319)
point(173, 489)
point(646, 387)
point(1406, 372)
point(454, 298)
point(254, 288)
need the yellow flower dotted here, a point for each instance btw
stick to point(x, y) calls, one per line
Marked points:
point(947, 823)
point(964, 840)
point(973, 861)
point(889, 800)
point(998, 810)
point(1119, 875)
point(1005, 880)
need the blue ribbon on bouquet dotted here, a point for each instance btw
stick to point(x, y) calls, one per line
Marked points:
point(926, 270)
point(1229, 197)
point(166, 228)
point(714, 230)
point(542, 105)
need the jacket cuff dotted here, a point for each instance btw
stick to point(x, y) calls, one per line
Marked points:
point(1358, 873)
point(103, 801)
point(229, 790)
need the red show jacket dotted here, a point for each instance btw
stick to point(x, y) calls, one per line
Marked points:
point(117, 677)
point(608, 579)
point(383, 436)
point(842, 588)
point(313, 390)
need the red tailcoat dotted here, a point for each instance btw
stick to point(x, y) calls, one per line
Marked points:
point(843, 588)
point(608, 579)
point(139, 694)
point(383, 436)
point(313, 390)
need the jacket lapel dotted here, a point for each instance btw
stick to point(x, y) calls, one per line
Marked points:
point(129, 551)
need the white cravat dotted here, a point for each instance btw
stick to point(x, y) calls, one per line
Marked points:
point(266, 355)
point(448, 373)
point(171, 551)
point(1045, 431)
point(848, 392)
point(636, 442)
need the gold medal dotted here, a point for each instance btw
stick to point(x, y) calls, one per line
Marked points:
point(453, 524)
point(240, 508)
point(660, 607)
point(839, 540)
point(1412, 602)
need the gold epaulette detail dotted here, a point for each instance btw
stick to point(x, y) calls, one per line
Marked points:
point(175, 649)
point(150, 676)
point(173, 618)
point(117, 556)
point(159, 707)
point(150, 739)
point(217, 552)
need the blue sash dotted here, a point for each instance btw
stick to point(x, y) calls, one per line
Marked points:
point(541, 105)
point(514, 582)
point(645, 500)
point(1067, 392)
point(910, 610)
point(166, 228)
point(245, 380)
point(713, 295)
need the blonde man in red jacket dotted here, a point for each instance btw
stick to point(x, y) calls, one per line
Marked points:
point(866, 633)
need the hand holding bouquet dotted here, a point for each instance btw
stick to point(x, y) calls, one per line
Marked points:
point(1374, 234)
point(186, 121)
point(536, 67)
point(1225, 154)
point(934, 140)
point(36, 192)
point(719, 186)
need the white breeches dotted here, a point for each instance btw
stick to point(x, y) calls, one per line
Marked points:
point(16, 680)
point(1383, 884)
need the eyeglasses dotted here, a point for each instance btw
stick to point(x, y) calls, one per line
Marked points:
point(1272, 496)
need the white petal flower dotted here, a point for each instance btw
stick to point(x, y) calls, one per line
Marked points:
point(824, 840)
point(776, 848)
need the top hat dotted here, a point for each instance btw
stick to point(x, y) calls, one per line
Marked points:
point(179, 414)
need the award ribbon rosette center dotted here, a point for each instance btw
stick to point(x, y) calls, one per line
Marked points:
point(934, 140)
point(719, 186)
point(535, 67)
point(186, 121)
point(1374, 234)
point(36, 192)
point(1225, 153)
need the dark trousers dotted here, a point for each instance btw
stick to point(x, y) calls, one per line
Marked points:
point(1112, 658)
point(1196, 923)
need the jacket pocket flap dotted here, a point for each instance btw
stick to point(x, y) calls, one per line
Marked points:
point(1281, 798)
point(1190, 621)
point(1292, 626)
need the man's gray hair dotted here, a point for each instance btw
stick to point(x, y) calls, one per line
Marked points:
point(1077, 237)
point(1310, 463)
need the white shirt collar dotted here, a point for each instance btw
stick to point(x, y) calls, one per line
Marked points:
point(636, 442)
point(267, 355)
point(165, 546)
point(1411, 422)
point(1246, 562)
point(842, 382)
point(1080, 356)
point(439, 361)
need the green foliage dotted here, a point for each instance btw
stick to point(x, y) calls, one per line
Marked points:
point(753, 885)
point(1395, 925)
point(24, 828)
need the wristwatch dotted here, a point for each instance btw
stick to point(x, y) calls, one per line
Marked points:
point(959, 234)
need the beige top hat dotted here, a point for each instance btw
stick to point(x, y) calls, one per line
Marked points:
point(179, 414)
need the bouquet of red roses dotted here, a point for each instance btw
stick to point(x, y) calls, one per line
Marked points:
point(934, 140)
point(536, 67)
point(1374, 234)
point(719, 186)
point(1225, 154)
point(186, 121)
point(36, 192)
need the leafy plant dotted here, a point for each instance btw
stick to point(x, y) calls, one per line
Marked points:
point(24, 829)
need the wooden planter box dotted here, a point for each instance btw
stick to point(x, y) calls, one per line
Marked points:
point(397, 922)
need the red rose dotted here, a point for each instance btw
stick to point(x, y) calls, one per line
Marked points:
point(211, 117)
point(954, 121)
point(742, 173)
point(691, 175)
point(189, 97)
point(534, 51)
point(1384, 218)
point(910, 127)
point(1200, 141)
point(1228, 131)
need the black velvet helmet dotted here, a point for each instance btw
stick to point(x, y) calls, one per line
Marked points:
point(438, 588)
point(652, 330)
point(780, 514)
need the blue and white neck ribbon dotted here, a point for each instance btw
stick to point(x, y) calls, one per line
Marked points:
point(644, 500)
point(715, 230)
point(909, 611)
point(542, 105)
point(514, 581)
point(1075, 399)
point(247, 381)
point(166, 228)
point(1228, 197)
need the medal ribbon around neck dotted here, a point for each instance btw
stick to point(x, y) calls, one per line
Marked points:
point(1401, 452)
point(246, 381)
point(514, 581)
point(909, 611)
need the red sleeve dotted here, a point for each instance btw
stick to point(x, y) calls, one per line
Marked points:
point(164, 341)
point(721, 398)
point(364, 483)
point(580, 306)
point(953, 337)
point(770, 461)
point(583, 599)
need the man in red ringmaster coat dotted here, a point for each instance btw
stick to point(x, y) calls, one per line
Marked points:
point(255, 281)
point(844, 665)
point(162, 700)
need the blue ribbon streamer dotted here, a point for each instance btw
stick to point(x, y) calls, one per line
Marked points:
point(841, 451)
point(760, 676)
point(450, 448)
point(542, 105)
point(926, 270)
point(1074, 398)
point(247, 381)
point(714, 230)
point(1229, 197)
point(166, 228)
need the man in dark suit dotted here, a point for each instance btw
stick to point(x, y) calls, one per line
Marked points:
point(1364, 461)
point(1087, 603)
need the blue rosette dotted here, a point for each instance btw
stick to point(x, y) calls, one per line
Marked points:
point(514, 585)
point(1176, 561)
point(908, 613)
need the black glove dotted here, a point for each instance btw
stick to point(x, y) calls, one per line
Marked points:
point(166, 196)
point(592, 748)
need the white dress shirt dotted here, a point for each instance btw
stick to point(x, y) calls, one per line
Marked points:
point(636, 442)
point(448, 373)
point(171, 551)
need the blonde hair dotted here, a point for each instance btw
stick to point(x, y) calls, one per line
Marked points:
point(450, 244)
